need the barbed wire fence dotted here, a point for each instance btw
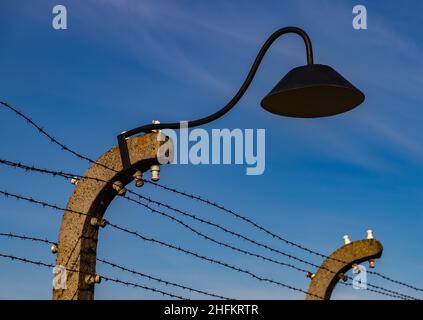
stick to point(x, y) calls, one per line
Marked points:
point(106, 278)
point(142, 201)
point(155, 241)
point(187, 226)
point(120, 267)
point(384, 291)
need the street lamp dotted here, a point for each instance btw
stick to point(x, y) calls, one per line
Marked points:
point(309, 91)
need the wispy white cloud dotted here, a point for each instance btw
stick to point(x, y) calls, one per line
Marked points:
point(148, 34)
point(159, 21)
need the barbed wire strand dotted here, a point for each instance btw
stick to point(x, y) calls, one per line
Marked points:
point(273, 235)
point(41, 203)
point(164, 244)
point(165, 282)
point(210, 239)
point(136, 285)
point(196, 197)
point(247, 239)
point(67, 175)
point(240, 270)
point(123, 268)
point(45, 133)
point(262, 257)
point(220, 243)
point(172, 218)
point(350, 284)
point(205, 258)
point(106, 278)
point(116, 266)
point(23, 237)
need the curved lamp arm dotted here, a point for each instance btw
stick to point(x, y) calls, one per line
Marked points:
point(194, 123)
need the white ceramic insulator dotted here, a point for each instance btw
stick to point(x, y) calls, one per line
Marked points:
point(155, 122)
point(347, 239)
point(155, 172)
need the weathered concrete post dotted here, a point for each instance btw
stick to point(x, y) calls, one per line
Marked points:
point(338, 263)
point(77, 246)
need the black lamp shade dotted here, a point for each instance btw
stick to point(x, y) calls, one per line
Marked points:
point(312, 91)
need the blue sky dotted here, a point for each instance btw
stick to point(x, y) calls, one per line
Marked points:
point(122, 63)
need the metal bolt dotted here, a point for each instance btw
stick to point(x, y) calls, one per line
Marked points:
point(118, 186)
point(155, 170)
point(343, 277)
point(96, 222)
point(370, 234)
point(356, 268)
point(54, 248)
point(310, 275)
point(75, 180)
point(347, 239)
point(372, 263)
point(138, 179)
point(92, 279)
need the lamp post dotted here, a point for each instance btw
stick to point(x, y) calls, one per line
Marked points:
point(308, 91)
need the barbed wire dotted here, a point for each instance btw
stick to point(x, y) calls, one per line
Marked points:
point(106, 278)
point(240, 270)
point(41, 203)
point(384, 291)
point(55, 173)
point(164, 244)
point(115, 280)
point(165, 282)
point(45, 133)
point(196, 197)
point(273, 235)
point(220, 243)
point(136, 285)
point(397, 294)
point(218, 226)
point(114, 265)
point(248, 253)
point(238, 216)
point(392, 295)
point(68, 175)
point(205, 258)
point(23, 237)
point(123, 268)
point(172, 218)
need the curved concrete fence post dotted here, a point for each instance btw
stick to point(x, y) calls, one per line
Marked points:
point(77, 245)
point(338, 263)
